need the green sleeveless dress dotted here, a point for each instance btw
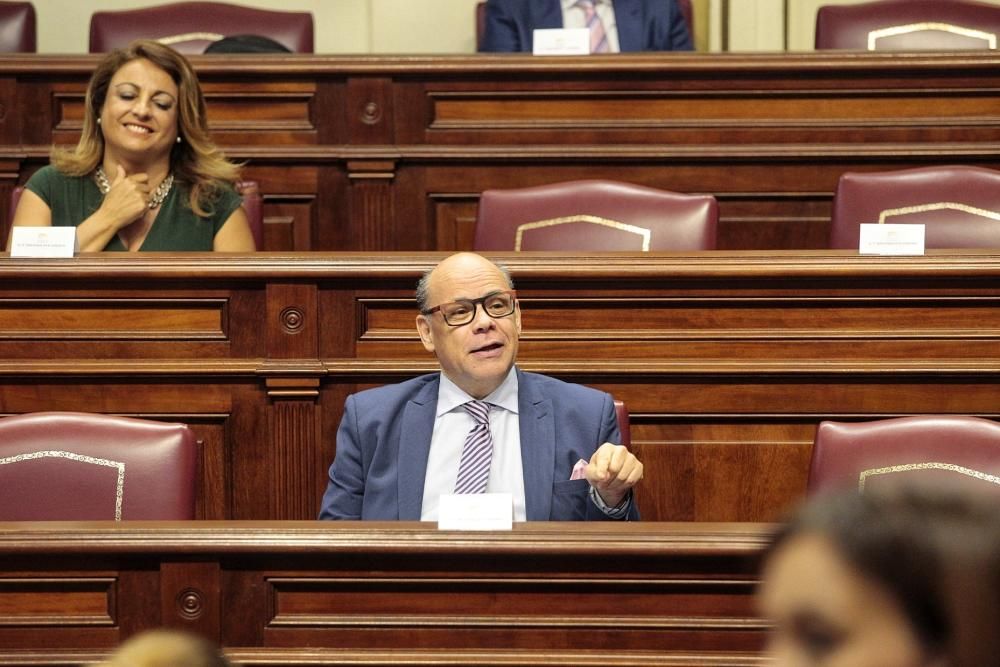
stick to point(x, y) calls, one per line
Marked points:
point(73, 199)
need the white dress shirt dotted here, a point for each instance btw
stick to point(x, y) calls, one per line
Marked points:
point(452, 424)
point(575, 17)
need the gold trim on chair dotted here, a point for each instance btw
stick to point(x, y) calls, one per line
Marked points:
point(642, 232)
point(938, 206)
point(80, 458)
point(170, 40)
point(906, 467)
point(875, 35)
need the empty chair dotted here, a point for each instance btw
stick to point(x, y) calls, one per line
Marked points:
point(18, 33)
point(908, 25)
point(189, 27)
point(594, 215)
point(959, 205)
point(945, 449)
point(68, 466)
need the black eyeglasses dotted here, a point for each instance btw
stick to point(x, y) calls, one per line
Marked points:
point(463, 311)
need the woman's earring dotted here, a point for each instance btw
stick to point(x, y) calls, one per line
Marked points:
point(178, 138)
point(98, 120)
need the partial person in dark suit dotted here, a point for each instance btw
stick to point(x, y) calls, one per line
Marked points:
point(554, 444)
point(631, 25)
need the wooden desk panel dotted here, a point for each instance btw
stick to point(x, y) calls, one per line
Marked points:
point(727, 361)
point(389, 153)
point(678, 594)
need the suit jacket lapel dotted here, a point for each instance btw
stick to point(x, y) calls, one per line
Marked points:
point(538, 448)
point(416, 429)
point(628, 18)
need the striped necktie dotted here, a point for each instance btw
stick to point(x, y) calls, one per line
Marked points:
point(598, 37)
point(477, 453)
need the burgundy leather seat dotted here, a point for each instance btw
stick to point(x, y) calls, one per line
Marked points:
point(253, 205)
point(68, 466)
point(623, 426)
point(191, 26)
point(18, 33)
point(908, 25)
point(594, 215)
point(959, 205)
point(937, 449)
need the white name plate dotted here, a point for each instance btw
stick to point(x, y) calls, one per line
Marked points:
point(891, 239)
point(476, 511)
point(561, 42)
point(43, 242)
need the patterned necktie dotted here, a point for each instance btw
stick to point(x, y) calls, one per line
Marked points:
point(598, 37)
point(474, 468)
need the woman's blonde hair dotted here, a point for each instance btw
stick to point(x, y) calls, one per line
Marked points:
point(196, 161)
point(167, 648)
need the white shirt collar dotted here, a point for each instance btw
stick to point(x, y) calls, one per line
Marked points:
point(570, 4)
point(504, 396)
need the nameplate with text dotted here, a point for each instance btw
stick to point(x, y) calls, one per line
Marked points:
point(43, 242)
point(476, 511)
point(891, 239)
point(561, 42)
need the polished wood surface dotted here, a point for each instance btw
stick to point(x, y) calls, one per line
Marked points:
point(295, 593)
point(726, 360)
point(391, 153)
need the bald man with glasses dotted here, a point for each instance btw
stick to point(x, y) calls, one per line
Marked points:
point(480, 425)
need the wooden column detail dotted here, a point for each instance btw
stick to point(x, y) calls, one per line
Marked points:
point(189, 597)
point(294, 435)
point(293, 389)
point(371, 203)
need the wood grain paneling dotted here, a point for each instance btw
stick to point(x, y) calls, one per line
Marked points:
point(62, 601)
point(726, 360)
point(381, 153)
point(283, 592)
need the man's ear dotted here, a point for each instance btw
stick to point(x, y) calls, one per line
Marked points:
point(517, 317)
point(426, 335)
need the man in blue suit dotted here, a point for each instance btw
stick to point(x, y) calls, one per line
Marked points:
point(640, 25)
point(553, 444)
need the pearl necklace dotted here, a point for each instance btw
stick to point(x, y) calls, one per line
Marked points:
point(155, 199)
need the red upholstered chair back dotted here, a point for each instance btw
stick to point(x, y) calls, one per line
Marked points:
point(688, 11)
point(191, 26)
point(15, 198)
point(253, 204)
point(908, 25)
point(594, 215)
point(960, 206)
point(480, 24)
point(623, 426)
point(685, 6)
point(17, 27)
point(941, 448)
point(67, 466)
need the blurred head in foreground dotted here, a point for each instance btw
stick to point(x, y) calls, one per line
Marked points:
point(901, 578)
point(167, 648)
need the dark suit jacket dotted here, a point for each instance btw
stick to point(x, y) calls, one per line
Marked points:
point(385, 437)
point(643, 25)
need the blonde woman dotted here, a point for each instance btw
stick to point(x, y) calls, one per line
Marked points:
point(145, 175)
